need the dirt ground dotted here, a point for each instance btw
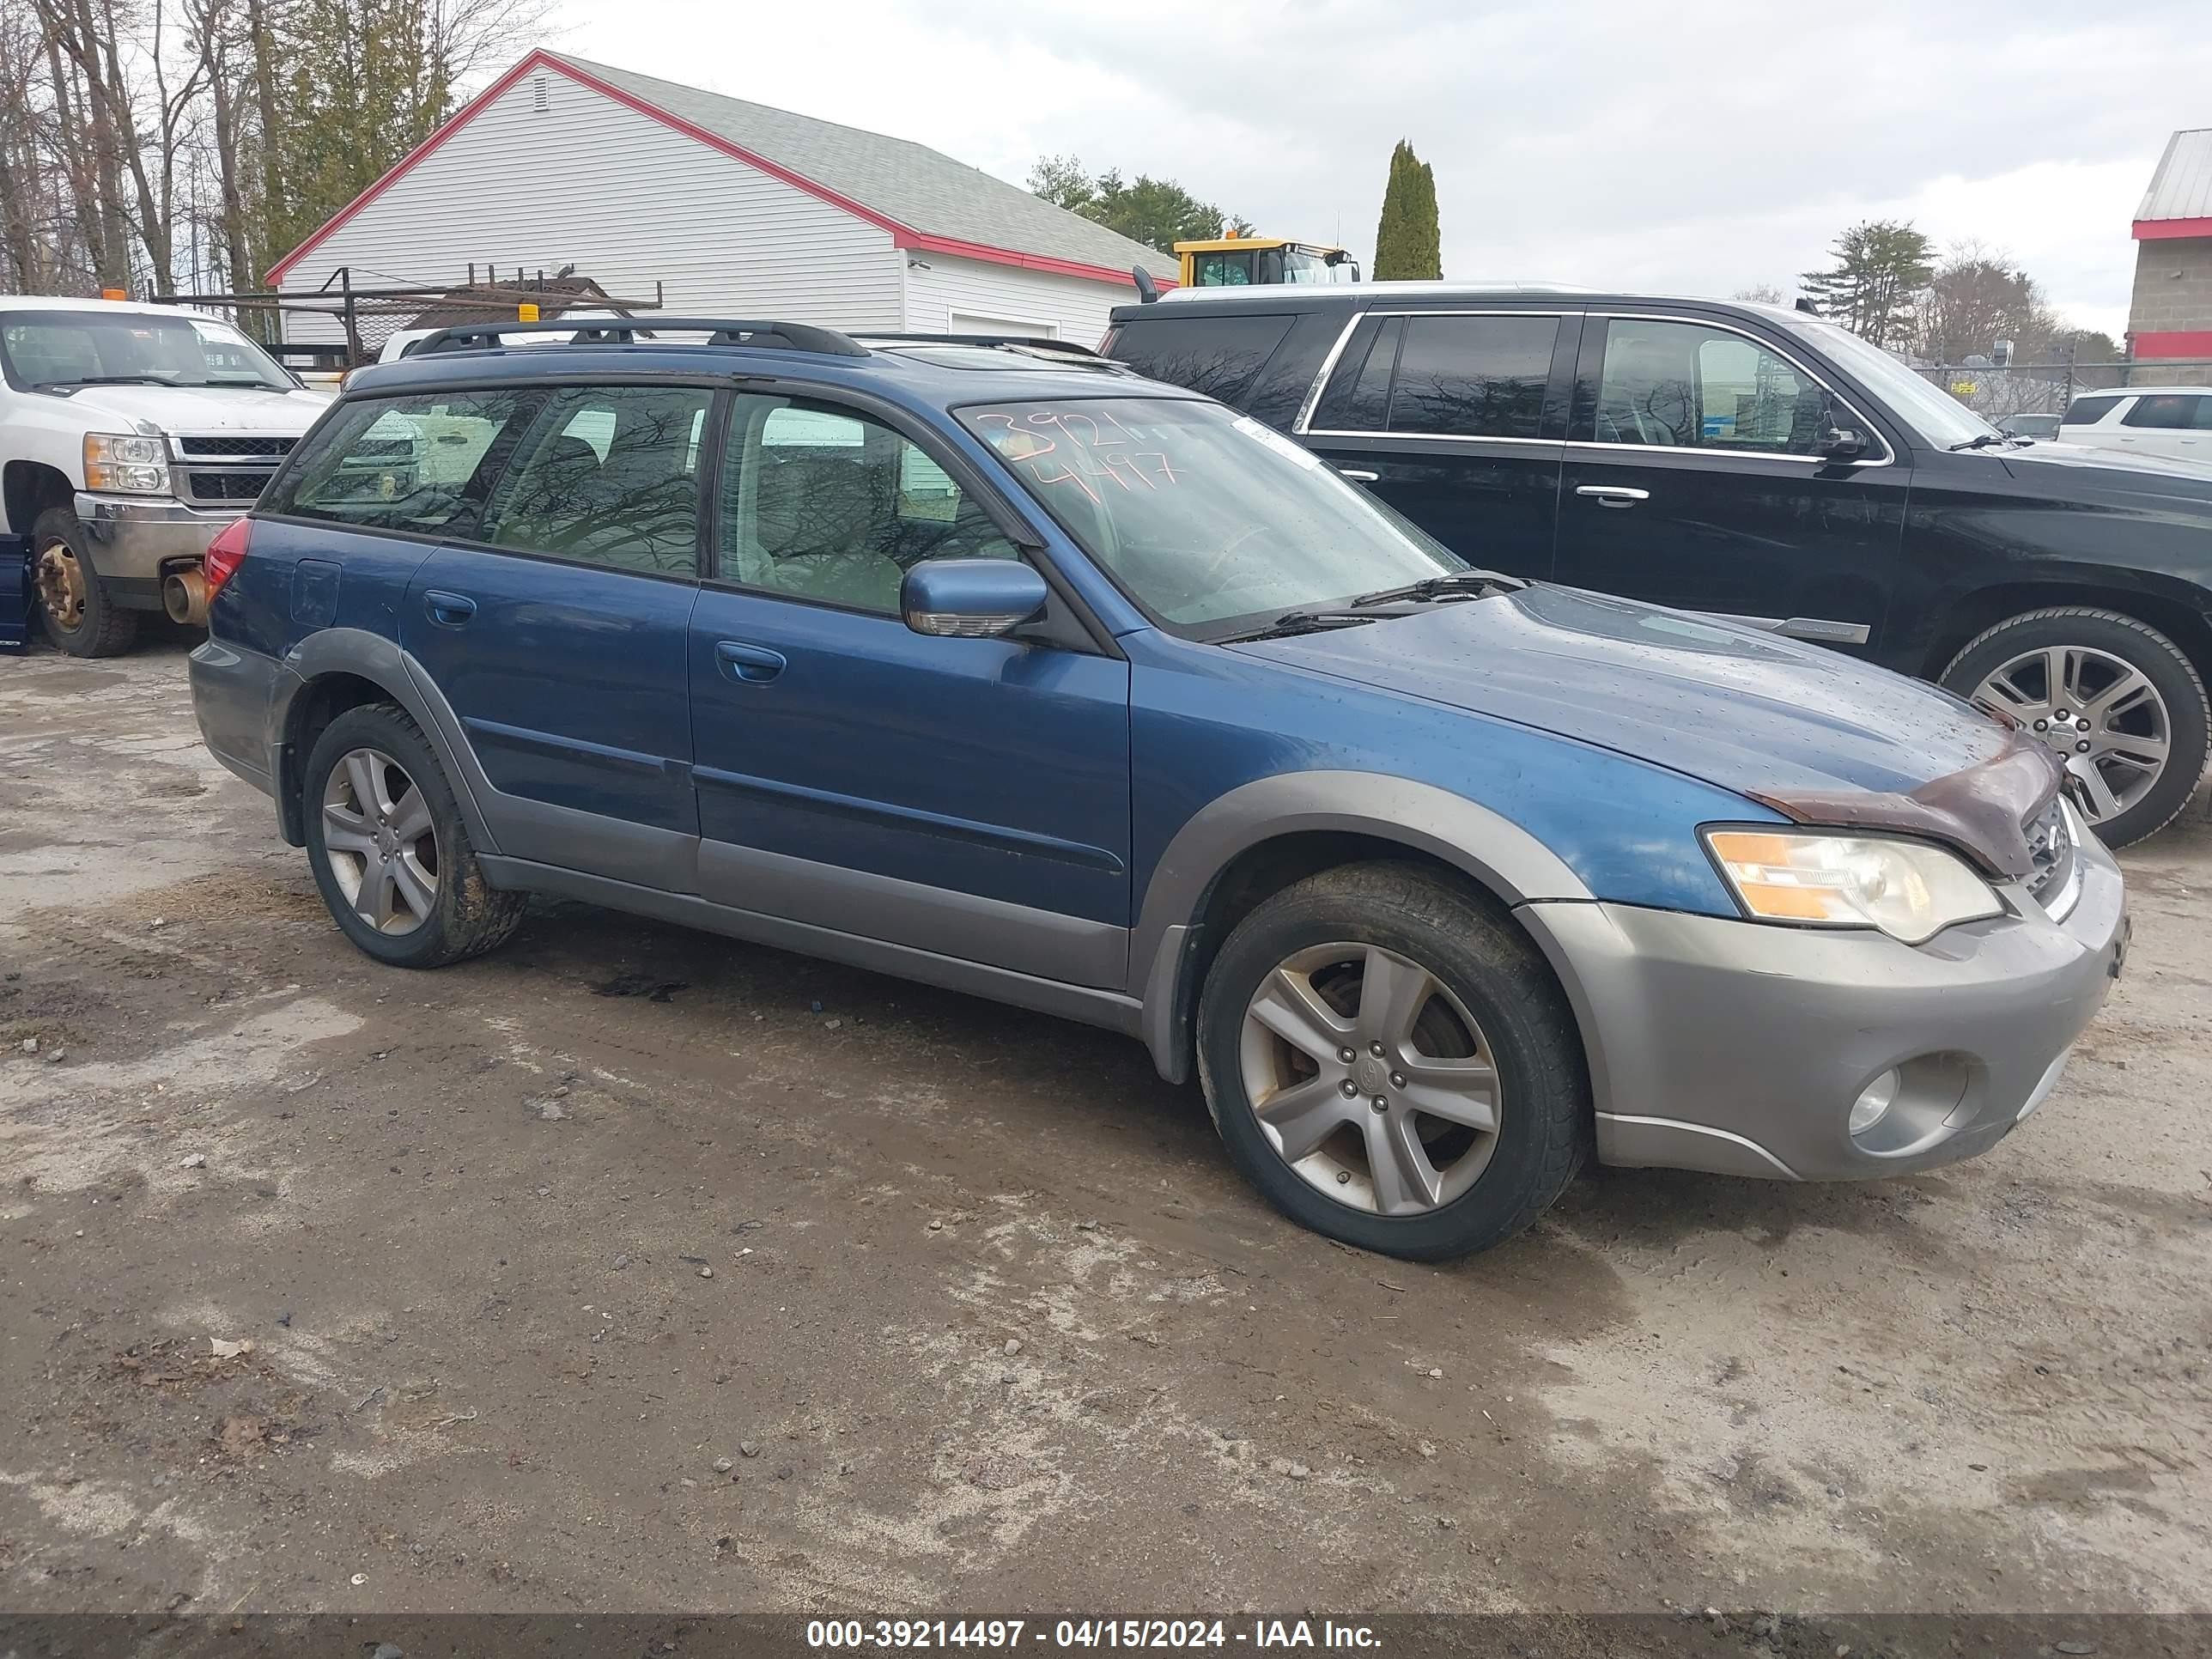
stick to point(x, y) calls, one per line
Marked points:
point(631, 1268)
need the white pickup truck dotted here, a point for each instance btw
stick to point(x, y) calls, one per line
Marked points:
point(129, 435)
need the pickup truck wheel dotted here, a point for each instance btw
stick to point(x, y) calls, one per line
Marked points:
point(82, 618)
point(389, 848)
point(1392, 1065)
point(2117, 700)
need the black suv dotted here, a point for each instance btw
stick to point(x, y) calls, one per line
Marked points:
point(1757, 463)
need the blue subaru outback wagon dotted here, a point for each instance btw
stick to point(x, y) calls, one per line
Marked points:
point(989, 664)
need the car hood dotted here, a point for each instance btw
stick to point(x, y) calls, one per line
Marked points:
point(1814, 734)
point(2062, 466)
point(184, 408)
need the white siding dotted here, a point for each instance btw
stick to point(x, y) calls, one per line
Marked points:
point(1075, 306)
point(628, 200)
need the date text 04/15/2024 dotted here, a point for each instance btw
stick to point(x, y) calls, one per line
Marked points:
point(833, 1634)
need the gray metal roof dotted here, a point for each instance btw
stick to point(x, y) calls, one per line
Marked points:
point(2181, 186)
point(909, 184)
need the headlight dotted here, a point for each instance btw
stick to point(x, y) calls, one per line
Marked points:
point(1909, 890)
point(135, 467)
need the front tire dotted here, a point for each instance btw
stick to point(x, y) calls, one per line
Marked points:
point(1391, 1064)
point(81, 617)
point(389, 848)
point(2118, 700)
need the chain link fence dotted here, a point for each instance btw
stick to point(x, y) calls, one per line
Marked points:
point(1997, 393)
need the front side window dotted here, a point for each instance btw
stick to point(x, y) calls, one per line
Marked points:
point(607, 475)
point(1221, 356)
point(57, 349)
point(420, 465)
point(1208, 519)
point(1685, 386)
point(2172, 411)
point(824, 504)
point(1474, 377)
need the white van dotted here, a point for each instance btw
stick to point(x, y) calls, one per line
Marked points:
point(2174, 421)
point(130, 434)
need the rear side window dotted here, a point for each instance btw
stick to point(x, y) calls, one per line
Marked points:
point(1359, 395)
point(2168, 411)
point(1220, 356)
point(607, 475)
point(1474, 377)
point(421, 464)
point(2086, 411)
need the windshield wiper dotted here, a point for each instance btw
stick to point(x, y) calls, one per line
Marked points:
point(1304, 621)
point(1459, 584)
point(1981, 442)
point(104, 379)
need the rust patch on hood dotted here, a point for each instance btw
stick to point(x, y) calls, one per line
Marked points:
point(1983, 810)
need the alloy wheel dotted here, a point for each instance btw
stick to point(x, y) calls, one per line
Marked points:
point(1370, 1078)
point(2099, 711)
point(383, 845)
point(60, 578)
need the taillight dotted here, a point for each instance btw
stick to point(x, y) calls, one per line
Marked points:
point(224, 555)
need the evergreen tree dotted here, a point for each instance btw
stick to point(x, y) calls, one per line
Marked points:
point(1873, 289)
point(1407, 245)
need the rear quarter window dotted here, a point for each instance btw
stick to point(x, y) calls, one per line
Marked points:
point(1220, 356)
point(423, 464)
point(2087, 411)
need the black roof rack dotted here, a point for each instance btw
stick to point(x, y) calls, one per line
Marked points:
point(1030, 341)
point(624, 330)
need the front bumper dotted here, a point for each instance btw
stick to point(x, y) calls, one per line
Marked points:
point(135, 540)
point(1738, 1047)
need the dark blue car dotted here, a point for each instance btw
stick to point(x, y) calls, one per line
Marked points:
point(997, 666)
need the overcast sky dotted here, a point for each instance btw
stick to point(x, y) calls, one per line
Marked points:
point(1693, 147)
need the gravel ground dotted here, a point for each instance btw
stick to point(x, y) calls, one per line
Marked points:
point(609, 1273)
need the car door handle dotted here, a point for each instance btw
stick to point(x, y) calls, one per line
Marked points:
point(448, 609)
point(1612, 494)
point(1358, 476)
point(753, 665)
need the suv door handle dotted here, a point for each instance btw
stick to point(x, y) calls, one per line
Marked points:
point(1612, 494)
point(1358, 476)
point(751, 664)
point(448, 609)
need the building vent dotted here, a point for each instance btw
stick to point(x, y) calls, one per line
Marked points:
point(541, 96)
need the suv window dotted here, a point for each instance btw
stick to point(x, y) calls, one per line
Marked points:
point(2086, 411)
point(1474, 377)
point(2171, 412)
point(1357, 399)
point(607, 475)
point(1221, 356)
point(421, 464)
point(1687, 386)
point(821, 503)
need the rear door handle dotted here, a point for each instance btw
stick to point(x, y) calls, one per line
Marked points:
point(448, 609)
point(753, 665)
point(1612, 494)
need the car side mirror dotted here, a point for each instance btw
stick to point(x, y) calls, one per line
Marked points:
point(1841, 443)
point(972, 598)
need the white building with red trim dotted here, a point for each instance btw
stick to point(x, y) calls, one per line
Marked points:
point(732, 208)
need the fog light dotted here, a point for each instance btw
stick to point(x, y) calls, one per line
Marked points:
point(1876, 1098)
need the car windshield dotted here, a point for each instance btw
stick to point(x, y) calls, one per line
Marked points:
point(1935, 416)
point(129, 347)
point(1210, 521)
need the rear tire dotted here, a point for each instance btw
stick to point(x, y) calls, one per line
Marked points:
point(1388, 1150)
point(81, 617)
point(2057, 666)
point(389, 847)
